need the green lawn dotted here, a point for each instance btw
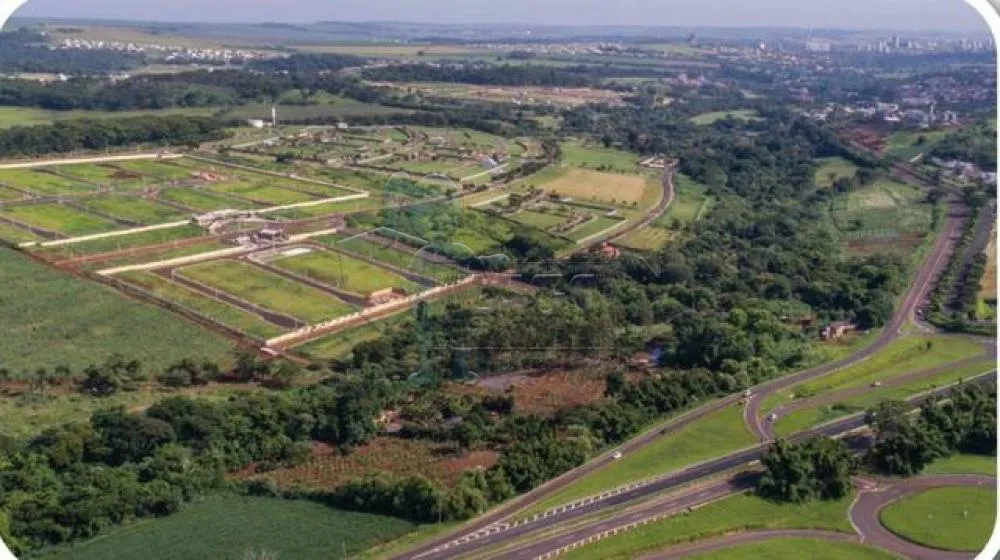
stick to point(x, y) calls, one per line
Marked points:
point(147, 212)
point(268, 290)
point(90, 172)
point(907, 144)
point(809, 417)
point(948, 518)
point(831, 169)
point(964, 464)
point(583, 154)
point(713, 436)
point(27, 116)
point(813, 549)
point(15, 234)
point(344, 272)
point(260, 192)
point(59, 218)
point(689, 203)
point(739, 513)
point(8, 194)
point(400, 256)
point(120, 242)
point(327, 208)
point(203, 201)
point(222, 312)
point(905, 355)
point(49, 318)
point(340, 345)
point(163, 170)
point(41, 182)
point(597, 225)
point(885, 208)
point(540, 220)
point(715, 116)
point(226, 528)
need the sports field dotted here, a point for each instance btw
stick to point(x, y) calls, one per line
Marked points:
point(342, 271)
point(59, 218)
point(581, 154)
point(947, 518)
point(715, 435)
point(268, 290)
point(50, 318)
point(230, 528)
point(586, 185)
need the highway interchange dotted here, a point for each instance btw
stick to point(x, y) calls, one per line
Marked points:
point(687, 487)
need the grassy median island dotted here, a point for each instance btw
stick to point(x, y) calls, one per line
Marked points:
point(814, 549)
point(947, 518)
point(713, 436)
point(227, 528)
point(743, 512)
point(964, 464)
point(50, 318)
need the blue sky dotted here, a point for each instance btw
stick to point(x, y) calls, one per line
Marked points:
point(882, 14)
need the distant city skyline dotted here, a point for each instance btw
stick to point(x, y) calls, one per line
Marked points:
point(944, 15)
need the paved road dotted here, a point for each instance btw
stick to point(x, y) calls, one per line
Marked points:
point(751, 537)
point(883, 492)
point(922, 284)
point(743, 481)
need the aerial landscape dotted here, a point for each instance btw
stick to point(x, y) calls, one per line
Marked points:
point(383, 282)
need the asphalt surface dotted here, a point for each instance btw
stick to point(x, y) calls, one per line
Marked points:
point(677, 479)
point(922, 284)
point(883, 492)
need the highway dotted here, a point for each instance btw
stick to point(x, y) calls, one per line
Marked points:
point(744, 458)
point(936, 258)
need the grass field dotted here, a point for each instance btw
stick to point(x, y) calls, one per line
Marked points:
point(27, 116)
point(341, 271)
point(7, 195)
point(964, 464)
point(691, 203)
point(588, 185)
point(268, 290)
point(906, 144)
point(540, 220)
point(716, 116)
point(50, 318)
point(738, 513)
point(580, 154)
point(948, 518)
point(41, 182)
point(831, 169)
point(905, 355)
point(805, 418)
point(222, 312)
point(814, 549)
point(144, 211)
point(121, 242)
point(597, 225)
point(203, 201)
point(226, 528)
point(715, 435)
point(339, 345)
point(15, 234)
point(885, 208)
point(163, 170)
point(59, 218)
point(260, 192)
point(398, 255)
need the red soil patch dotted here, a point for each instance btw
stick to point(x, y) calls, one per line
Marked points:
point(902, 245)
point(542, 392)
point(328, 468)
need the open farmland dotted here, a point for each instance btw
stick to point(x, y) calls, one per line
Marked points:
point(268, 290)
point(586, 155)
point(60, 218)
point(713, 117)
point(50, 318)
point(341, 271)
point(588, 185)
point(230, 527)
point(831, 169)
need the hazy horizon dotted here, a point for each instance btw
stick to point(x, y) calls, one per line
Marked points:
point(923, 15)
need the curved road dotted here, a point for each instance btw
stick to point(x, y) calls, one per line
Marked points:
point(880, 493)
point(933, 263)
